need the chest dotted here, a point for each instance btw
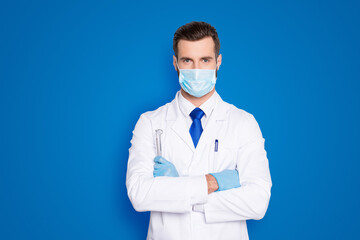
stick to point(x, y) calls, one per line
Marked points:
point(216, 151)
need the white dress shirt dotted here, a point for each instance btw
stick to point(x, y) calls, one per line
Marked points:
point(187, 107)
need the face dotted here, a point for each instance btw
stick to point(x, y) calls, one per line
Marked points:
point(197, 54)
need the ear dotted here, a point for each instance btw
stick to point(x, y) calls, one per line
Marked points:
point(219, 59)
point(174, 62)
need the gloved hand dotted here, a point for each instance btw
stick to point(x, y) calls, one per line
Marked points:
point(227, 179)
point(163, 167)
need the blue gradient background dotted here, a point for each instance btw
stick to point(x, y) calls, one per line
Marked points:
point(75, 77)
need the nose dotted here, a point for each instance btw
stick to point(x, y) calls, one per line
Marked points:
point(196, 65)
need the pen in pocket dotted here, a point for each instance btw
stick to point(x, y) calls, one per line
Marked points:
point(216, 145)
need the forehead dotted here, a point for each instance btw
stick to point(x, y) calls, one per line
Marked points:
point(199, 48)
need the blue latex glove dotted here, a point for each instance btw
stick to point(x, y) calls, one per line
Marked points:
point(227, 179)
point(163, 167)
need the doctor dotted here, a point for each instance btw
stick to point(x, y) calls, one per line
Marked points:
point(213, 174)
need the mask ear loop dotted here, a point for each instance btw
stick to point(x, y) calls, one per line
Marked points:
point(178, 68)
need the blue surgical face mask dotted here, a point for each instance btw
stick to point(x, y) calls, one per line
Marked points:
point(197, 82)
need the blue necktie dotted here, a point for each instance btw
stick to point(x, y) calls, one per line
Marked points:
point(196, 128)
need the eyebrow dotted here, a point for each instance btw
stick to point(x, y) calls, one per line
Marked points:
point(205, 57)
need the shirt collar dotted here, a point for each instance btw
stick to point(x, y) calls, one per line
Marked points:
point(187, 107)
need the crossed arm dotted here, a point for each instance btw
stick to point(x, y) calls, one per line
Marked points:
point(180, 194)
point(221, 181)
point(162, 167)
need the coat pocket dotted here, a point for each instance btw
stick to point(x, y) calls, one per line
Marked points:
point(224, 157)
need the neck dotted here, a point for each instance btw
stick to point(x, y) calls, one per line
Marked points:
point(197, 101)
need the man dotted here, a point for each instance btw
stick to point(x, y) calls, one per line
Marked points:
point(213, 173)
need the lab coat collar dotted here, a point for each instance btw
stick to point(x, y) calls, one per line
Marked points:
point(180, 105)
point(187, 107)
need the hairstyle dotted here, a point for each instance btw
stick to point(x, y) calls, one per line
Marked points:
point(194, 31)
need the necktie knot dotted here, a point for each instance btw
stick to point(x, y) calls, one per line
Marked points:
point(197, 113)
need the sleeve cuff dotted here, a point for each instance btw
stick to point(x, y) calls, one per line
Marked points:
point(198, 190)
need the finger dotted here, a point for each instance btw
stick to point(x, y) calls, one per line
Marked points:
point(157, 173)
point(159, 159)
point(158, 166)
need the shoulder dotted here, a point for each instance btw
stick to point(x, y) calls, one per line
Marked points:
point(150, 120)
point(235, 113)
point(240, 120)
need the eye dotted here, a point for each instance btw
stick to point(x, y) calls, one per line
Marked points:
point(206, 60)
point(186, 61)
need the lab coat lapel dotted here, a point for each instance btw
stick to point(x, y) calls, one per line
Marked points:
point(179, 126)
point(214, 124)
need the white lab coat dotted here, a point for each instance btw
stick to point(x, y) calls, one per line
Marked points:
point(180, 207)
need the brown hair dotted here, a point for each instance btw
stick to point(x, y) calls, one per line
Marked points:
point(195, 31)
